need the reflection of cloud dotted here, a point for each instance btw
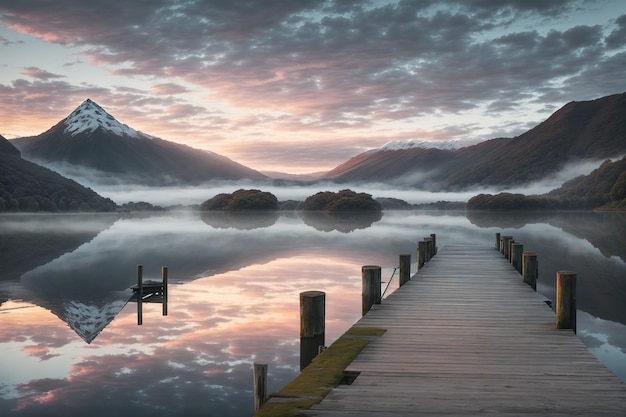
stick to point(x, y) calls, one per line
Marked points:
point(605, 339)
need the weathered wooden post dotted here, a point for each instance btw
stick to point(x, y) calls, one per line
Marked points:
point(510, 257)
point(429, 247)
point(139, 294)
point(421, 254)
point(259, 376)
point(370, 275)
point(566, 300)
point(434, 237)
point(530, 269)
point(505, 241)
point(502, 245)
point(498, 241)
point(516, 257)
point(312, 324)
point(405, 268)
point(164, 283)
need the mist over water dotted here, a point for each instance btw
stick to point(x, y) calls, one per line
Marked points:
point(123, 192)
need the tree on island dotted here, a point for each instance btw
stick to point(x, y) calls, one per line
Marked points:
point(344, 200)
point(241, 200)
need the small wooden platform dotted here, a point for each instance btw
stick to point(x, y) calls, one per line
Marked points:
point(466, 337)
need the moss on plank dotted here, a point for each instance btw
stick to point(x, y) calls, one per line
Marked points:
point(323, 374)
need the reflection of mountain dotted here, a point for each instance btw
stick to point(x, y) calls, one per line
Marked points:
point(598, 278)
point(27, 241)
point(342, 221)
point(242, 220)
point(604, 230)
point(88, 320)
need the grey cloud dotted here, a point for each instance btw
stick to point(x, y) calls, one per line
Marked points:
point(40, 74)
point(617, 38)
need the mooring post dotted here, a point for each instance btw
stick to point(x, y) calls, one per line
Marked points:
point(530, 269)
point(370, 275)
point(510, 257)
point(566, 300)
point(434, 237)
point(259, 376)
point(505, 241)
point(312, 325)
point(429, 247)
point(516, 257)
point(502, 245)
point(498, 241)
point(139, 294)
point(164, 283)
point(421, 254)
point(405, 268)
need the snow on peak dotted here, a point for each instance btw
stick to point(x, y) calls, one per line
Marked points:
point(89, 116)
point(425, 144)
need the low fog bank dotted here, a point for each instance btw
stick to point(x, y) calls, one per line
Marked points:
point(169, 196)
point(287, 190)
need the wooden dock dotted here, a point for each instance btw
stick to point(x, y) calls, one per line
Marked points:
point(465, 337)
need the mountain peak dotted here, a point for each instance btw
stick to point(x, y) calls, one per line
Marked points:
point(89, 116)
point(422, 144)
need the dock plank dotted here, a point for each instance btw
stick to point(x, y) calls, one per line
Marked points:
point(465, 336)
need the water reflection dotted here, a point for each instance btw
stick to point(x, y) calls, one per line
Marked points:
point(343, 221)
point(233, 300)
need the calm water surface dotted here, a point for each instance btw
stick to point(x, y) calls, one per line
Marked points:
point(69, 340)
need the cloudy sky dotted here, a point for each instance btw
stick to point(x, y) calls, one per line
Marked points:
point(301, 86)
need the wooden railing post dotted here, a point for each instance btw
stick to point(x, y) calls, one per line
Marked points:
point(139, 294)
point(421, 254)
point(434, 237)
point(516, 256)
point(405, 268)
point(498, 241)
point(164, 283)
point(505, 242)
point(312, 325)
point(566, 300)
point(370, 295)
point(429, 247)
point(259, 376)
point(530, 269)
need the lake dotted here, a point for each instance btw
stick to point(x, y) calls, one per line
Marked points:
point(69, 340)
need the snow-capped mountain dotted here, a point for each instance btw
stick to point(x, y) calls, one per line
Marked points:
point(90, 145)
point(89, 117)
point(88, 320)
point(399, 145)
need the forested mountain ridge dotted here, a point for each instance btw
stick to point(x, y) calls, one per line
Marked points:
point(579, 131)
point(25, 186)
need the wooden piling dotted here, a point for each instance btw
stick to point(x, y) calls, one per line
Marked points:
point(505, 242)
point(259, 376)
point(498, 241)
point(139, 294)
point(434, 237)
point(530, 269)
point(566, 300)
point(164, 283)
point(405, 268)
point(516, 257)
point(429, 247)
point(510, 257)
point(312, 324)
point(370, 295)
point(421, 254)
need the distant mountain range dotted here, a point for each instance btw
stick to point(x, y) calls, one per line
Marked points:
point(90, 143)
point(577, 132)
